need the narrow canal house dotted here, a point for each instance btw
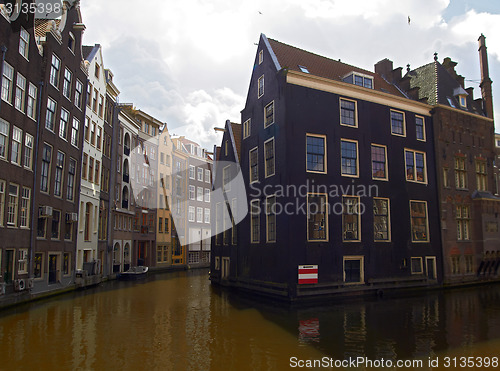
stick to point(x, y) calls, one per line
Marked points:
point(125, 134)
point(465, 160)
point(89, 258)
point(199, 184)
point(62, 115)
point(340, 171)
point(19, 117)
point(225, 201)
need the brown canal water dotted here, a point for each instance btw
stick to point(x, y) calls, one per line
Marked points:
point(177, 321)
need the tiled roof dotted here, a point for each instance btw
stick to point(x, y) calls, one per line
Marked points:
point(86, 50)
point(439, 87)
point(43, 25)
point(291, 58)
point(237, 138)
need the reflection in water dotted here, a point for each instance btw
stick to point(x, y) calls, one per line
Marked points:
point(177, 321)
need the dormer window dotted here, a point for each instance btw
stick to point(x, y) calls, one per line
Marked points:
point(359, 79)
point(462, 100)
point(303, 69)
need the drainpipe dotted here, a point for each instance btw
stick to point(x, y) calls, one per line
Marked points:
point(35, 173)
point(3, 49)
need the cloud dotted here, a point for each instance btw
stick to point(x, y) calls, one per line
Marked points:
point(189, 63)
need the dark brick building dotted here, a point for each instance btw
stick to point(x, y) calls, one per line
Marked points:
point(339, 166)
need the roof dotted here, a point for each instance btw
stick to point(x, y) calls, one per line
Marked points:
point(291, 58)
point(237, 137)
point(42, 26)
point(89, 52)
point(439, 86)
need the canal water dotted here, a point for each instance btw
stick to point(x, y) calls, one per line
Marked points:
point(177, 321)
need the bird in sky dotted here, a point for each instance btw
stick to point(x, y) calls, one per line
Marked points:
point(409, 20)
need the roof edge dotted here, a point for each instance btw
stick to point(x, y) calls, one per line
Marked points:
point(271, 52)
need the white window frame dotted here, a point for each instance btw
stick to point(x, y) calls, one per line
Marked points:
point(419, 259)
point(55, 70)
point(388, 220)
point(325, 167)
point(356, 175)
point(413, 240)
point(271, 121)
point(12, 216)
point(361, 258)
point(7, 82)
point(28, 151)
point(67, 80)
point(247, 128)
point(199, 215)
point(423, 128)
point(32, 99)
point(386, 169)
point(16, 145)
point(207, 194)
point(20, 95)
point(266, 173)
point(24, 43)
point(355, 112)
point(4, 137)
point(192, 172)
point(256, 150)
point(404, 123)
point(191, 214)
point(260, 87)
point(414, 152)
point(257, 214)
point(199, 194)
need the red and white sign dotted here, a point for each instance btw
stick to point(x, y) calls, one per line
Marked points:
point(308, 274)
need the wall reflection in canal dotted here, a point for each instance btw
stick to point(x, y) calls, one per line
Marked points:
point(177, 321)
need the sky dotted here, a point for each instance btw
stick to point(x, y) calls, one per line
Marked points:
point(188, 63)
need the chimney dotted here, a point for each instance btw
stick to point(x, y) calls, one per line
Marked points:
point(485, 78)
point(384, 68)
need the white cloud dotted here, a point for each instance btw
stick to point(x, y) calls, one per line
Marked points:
point(188, 63)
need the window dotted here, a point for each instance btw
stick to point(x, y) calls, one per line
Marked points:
point(58, 180)
point(74, 132)
point(207, 176)
point(246, 129)
point(207, 216)
point(25, 207)
point(28, 151)
point(19, 99)
point(66, 263)
point(200, 174)
point(191, 215)
point(349, 157)
point(24, 43)
point(254, 165)
point(97, 70)
point(269, 157)
point(469, 263)
point(98, 138)
point(199, 215)
point(419, 223)
point(191, 172)
point(462, 100)
point(416, 266)
point(17, 138)
point(261, 56)
point(31, 106)
point(415, 166)
point(271, 219)
point(2, 200)
point(398, 123)
point(460, 173)
point(63, 123)
point(354, 269)
point(381, 219)
point(50, 115)
point(420, 128)
point(89, 94)
point(46, 159)
point(348, 113)
point(463, 226)
point(446, 182)
point(12, 205)
point(92, 133)
point(101, 106)
point(303, 69)
point(260, 92)
point(316, 153)
point(91, 170)
point(199, 194)
point(379, 162)
point(71, 179)
point(84, 166)
point(96, 174)
point(38, 264)
point(254, 221)
point(317, 217)
point(351, 218)
point(68, 76)
point(78, 93)
point(7, 81)
point(269, 114)
point(94, 100)
point(481, 175)
point(54, 71)
point(23, 261)
point(207, 195)
point(4, 138)
point(56, 222)
point(87, 129)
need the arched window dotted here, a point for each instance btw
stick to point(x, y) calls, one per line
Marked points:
point(125, 197)
point(126, 144)
point(125, 171)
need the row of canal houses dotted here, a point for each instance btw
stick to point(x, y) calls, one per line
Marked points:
point(88, 186)
point(354, 181)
